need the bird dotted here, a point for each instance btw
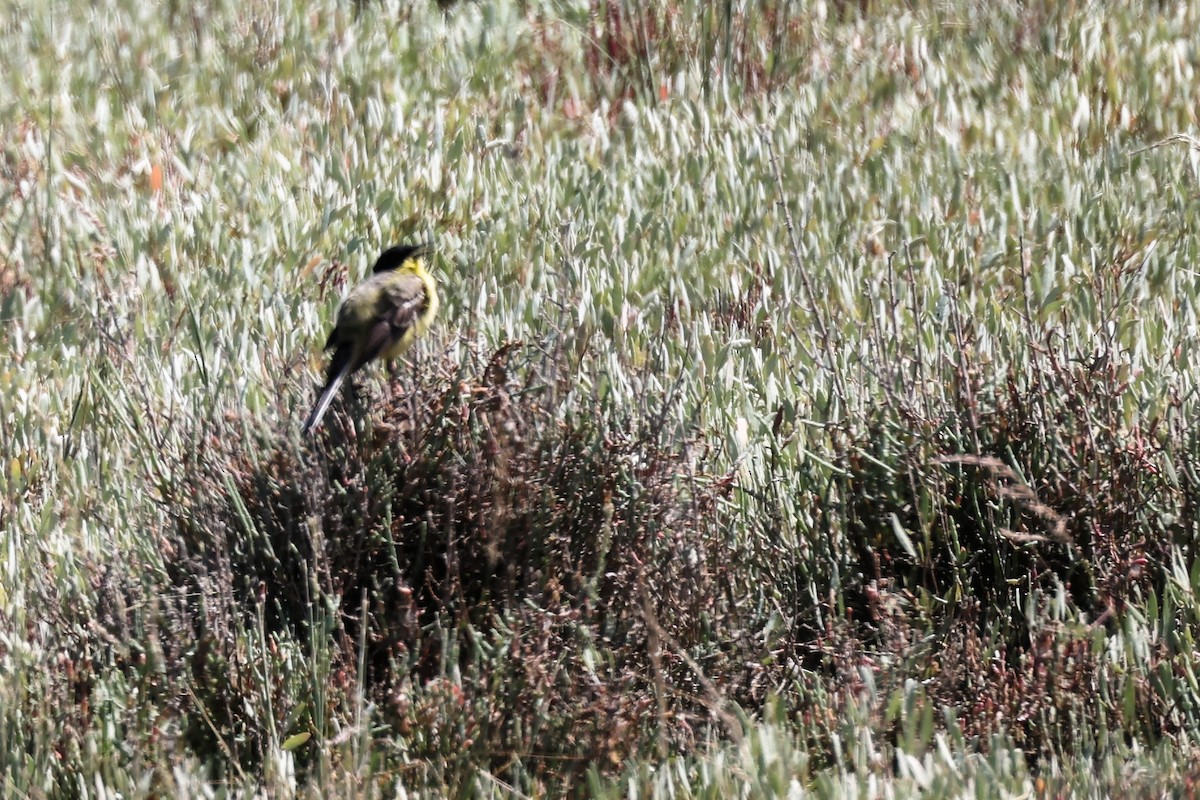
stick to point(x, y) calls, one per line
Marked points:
point(380, 318)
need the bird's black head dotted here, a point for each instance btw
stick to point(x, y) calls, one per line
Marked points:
point(394, 257)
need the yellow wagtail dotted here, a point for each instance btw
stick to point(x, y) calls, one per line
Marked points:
point(380, 318)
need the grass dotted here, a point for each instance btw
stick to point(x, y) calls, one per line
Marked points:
point(809, 412)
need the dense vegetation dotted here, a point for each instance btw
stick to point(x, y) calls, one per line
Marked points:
point(810, 411)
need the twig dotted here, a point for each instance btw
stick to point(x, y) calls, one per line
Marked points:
point(1018, 492)
point(810, 296)
point(714, 700)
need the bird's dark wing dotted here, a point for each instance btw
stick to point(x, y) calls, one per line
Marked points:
point(342, 357)
point(400, 304)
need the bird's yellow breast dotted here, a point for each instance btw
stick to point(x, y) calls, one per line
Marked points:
point(404, 298)
point(422, 320)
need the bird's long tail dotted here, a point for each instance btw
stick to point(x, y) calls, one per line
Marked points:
point(327, 394)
